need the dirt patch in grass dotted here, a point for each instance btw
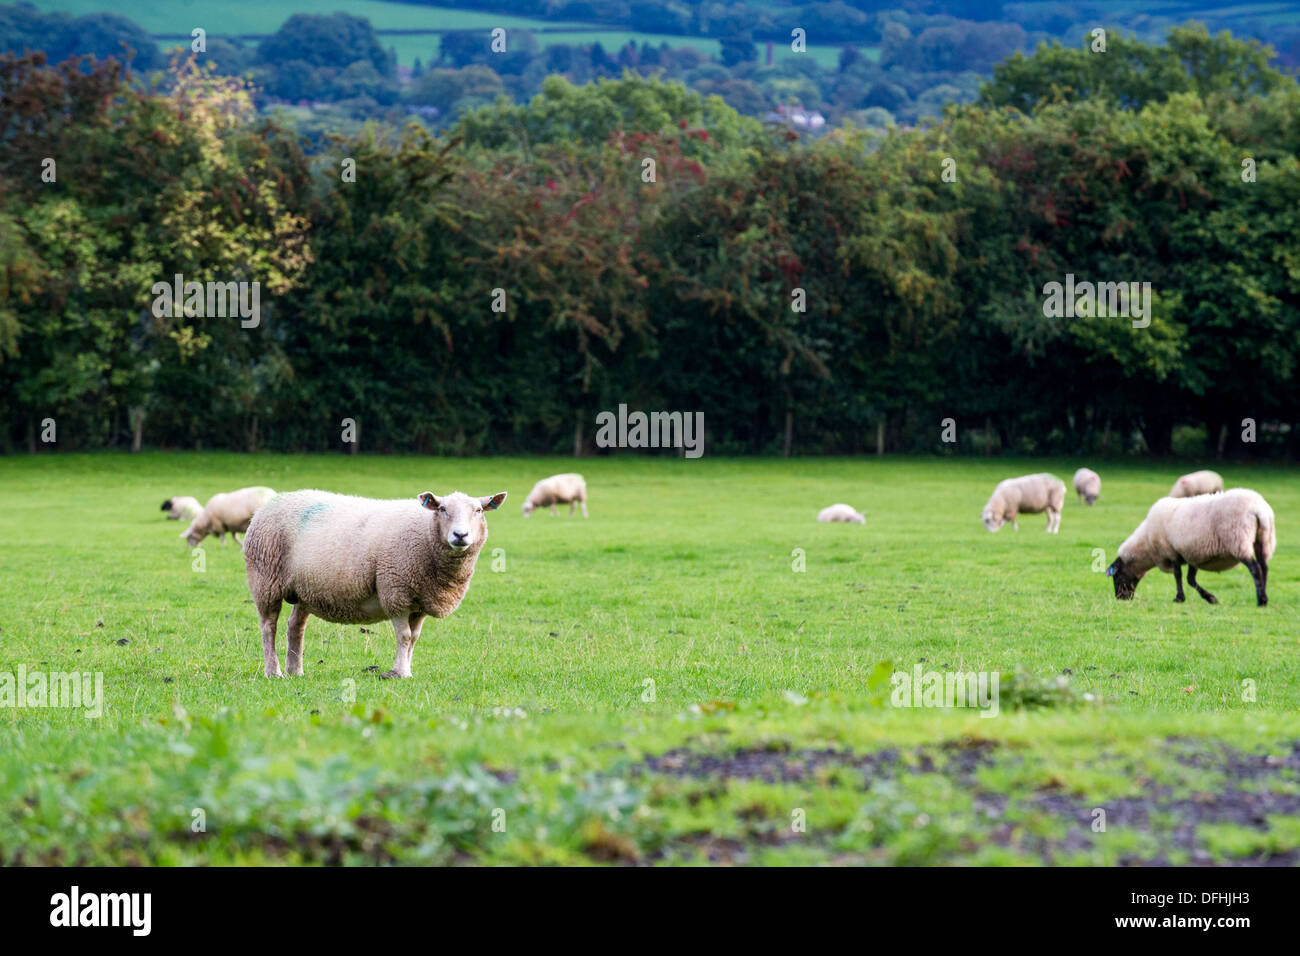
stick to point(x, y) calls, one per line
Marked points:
point(1170, 817)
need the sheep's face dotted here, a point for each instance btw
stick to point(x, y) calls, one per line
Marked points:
point(991, 521)
point(458, 519)
point(1090, 499)
point(196, 532)
point(528, 507)
point(1126, 581)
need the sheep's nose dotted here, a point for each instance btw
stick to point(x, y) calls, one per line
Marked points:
point(459, 537)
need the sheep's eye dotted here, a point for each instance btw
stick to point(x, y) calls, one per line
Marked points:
point(442, 510)
point(480, 511)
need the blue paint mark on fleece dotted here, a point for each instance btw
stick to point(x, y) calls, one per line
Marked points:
point(315, 509)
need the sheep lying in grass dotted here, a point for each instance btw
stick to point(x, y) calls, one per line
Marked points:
point(1197, 483)
point(227, 512)
point(1088, 484)
point(557, 489)
point(1207, 533)
point(182, 507)
point(841, 513)
point(358, 561)
point(1028, 494)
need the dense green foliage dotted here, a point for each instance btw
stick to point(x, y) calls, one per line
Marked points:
point(923, 292)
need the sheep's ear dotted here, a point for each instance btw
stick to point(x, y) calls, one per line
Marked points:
point(493, 502)
point(430, 500)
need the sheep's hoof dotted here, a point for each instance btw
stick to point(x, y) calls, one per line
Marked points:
point(1210, 598)
point(1180, 599)
point(1263, 602)
point(274, 674)
point(387, 675)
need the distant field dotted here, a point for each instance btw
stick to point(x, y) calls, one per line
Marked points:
point(265, 16)
point(242, 17)
point(658, 683)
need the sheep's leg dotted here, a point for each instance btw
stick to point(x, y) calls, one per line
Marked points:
point(584, 507)
point(1191, 579)
point(416, 621)
point(1263, 562)
point(1180, 597)
point(296, 633)
point(1257, 573)
point(270, 618)
point(1015, 525)
point(553, 511)
point(405, 644)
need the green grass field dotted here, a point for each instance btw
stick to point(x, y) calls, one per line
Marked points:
point(250, 17)
point(655, 684)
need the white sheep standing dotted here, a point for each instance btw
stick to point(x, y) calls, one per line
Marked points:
point(568, 489)
point(182, 506)
point(841, 513)
point(1088, 484)
point(230, 511)
point(1207, 533)
point(1196, 483)
point(1028, 494)
point(358, 560)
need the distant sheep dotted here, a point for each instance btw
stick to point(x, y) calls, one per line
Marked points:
point(358, 561)
point(227, 512)
point(1029, 494)
point(558, 489)
point(841, 513)
point(183, 507)
point(1197, 483)
point(1207, 533)
point(1088, 484)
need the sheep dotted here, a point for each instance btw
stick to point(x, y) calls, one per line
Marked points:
point(182, 507)
point(841, 513)
point(359, 560)
point(1197, 483)
point(1088, 484)
point(230, 511)
point(1207, 533)
point(1028, 494)
point(557, 489)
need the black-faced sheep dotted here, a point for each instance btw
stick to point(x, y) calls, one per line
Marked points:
point(1206, 533)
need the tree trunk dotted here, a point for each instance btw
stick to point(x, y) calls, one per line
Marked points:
point(1223, 438)
point(252, 435)
point(789, 431)
point(136, 415)
point(880, 437)
point(577, 437)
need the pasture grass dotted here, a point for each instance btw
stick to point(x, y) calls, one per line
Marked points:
point(657, 683)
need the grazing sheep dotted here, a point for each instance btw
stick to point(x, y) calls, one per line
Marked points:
point(230, 511)
point(1197, 483)
point(1207, 533)
point(841, 513)
point(1088, 484)
point(182, 507)
point(557, 489)
point(1028, 494)
point(358, 561)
